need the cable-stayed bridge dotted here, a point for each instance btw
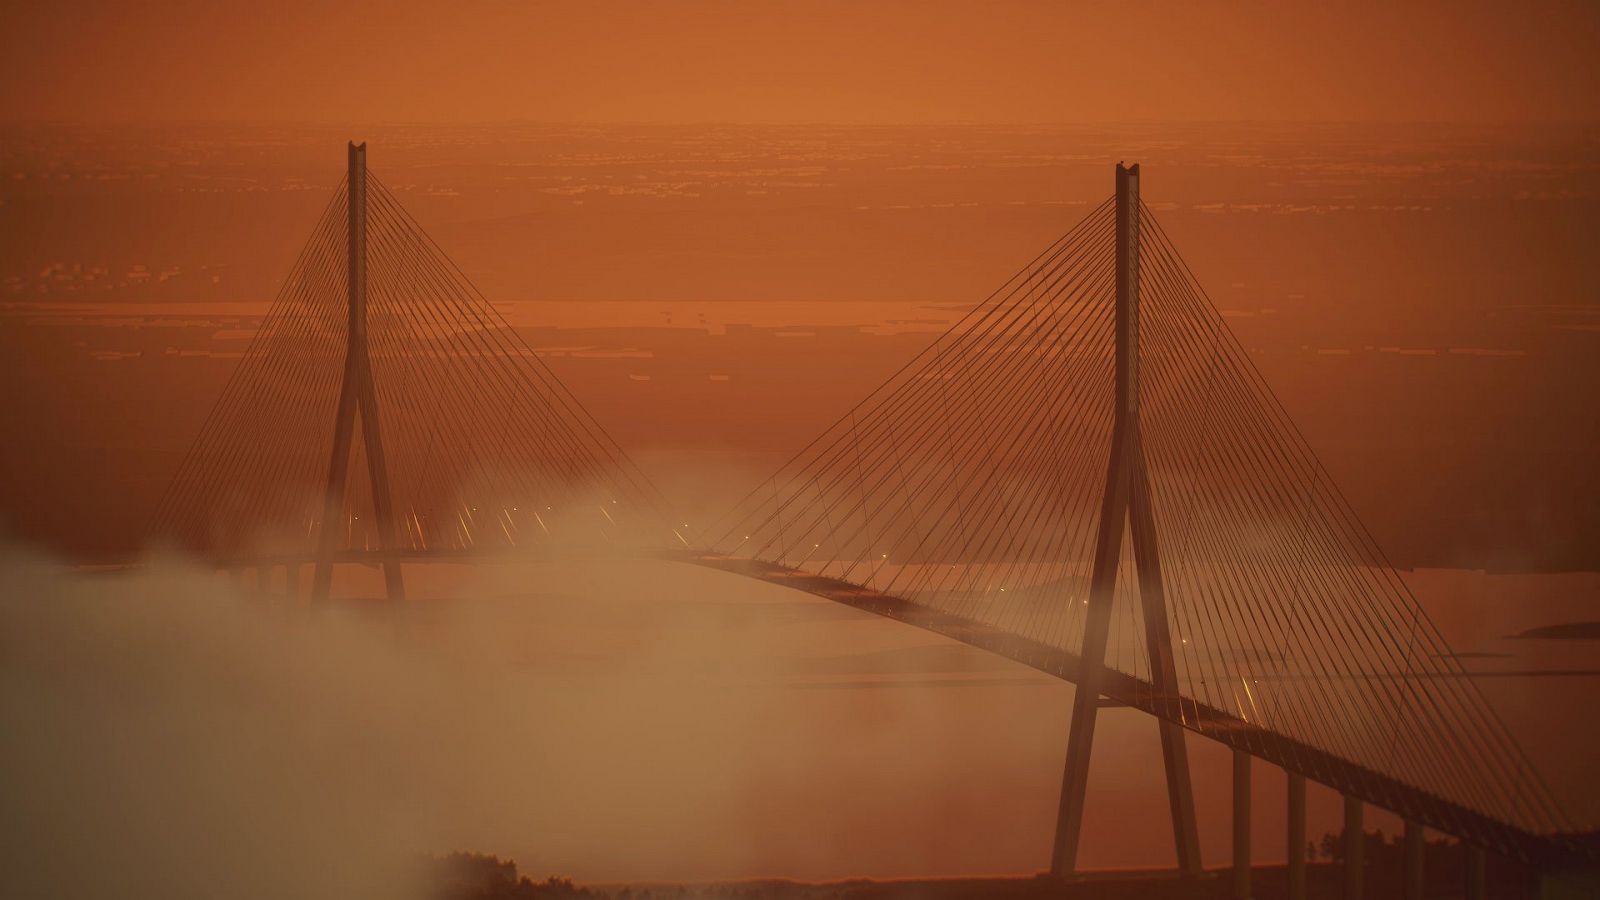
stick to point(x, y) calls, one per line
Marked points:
point(1086, 474)
point(466, 443)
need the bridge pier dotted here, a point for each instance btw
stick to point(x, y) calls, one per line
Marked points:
point(1415, 848)
point(1241, 825)
point(1353, 840)
point(1296, 863)
point(1476, 876)
point(1569, 883)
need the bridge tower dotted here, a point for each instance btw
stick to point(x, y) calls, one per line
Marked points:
point(357, 394)
point(1126, 502)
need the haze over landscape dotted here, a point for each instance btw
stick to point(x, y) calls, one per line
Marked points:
point(721, 225)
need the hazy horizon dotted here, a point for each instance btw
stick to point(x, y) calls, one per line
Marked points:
point(624, 263)
point(713, 60)
point(696, 266)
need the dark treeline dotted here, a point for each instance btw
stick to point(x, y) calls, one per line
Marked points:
point(475, 876)
point(472, 876)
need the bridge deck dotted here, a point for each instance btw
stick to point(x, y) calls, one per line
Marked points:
point(1295, 756)
point(1292, 755)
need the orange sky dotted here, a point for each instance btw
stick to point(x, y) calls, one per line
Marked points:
point(1422, 299)
point(784, 62)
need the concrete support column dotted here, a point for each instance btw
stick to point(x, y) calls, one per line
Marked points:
point(1415, 846)
point(1352, 849)
point(1568, 883)
point(1477, 879)
point(1241, 825)
point(1297, 837)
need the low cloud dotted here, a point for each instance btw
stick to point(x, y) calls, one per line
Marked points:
point(167, 732)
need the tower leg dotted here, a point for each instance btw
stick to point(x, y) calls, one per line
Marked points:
point(1180, 799)
point(1074, 784)
point(1163, 668)
point(1097, 627)
point(333, 515)
point(1297, 837)
point(377, 469)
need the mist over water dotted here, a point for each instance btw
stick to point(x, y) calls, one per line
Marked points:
point(168, 732)
point(1398, 227)
point(165, 736)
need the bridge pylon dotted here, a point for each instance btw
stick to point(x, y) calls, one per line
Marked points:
point(1126, 503)
point(479, 449)
point(995, 487)
point(357, 394)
